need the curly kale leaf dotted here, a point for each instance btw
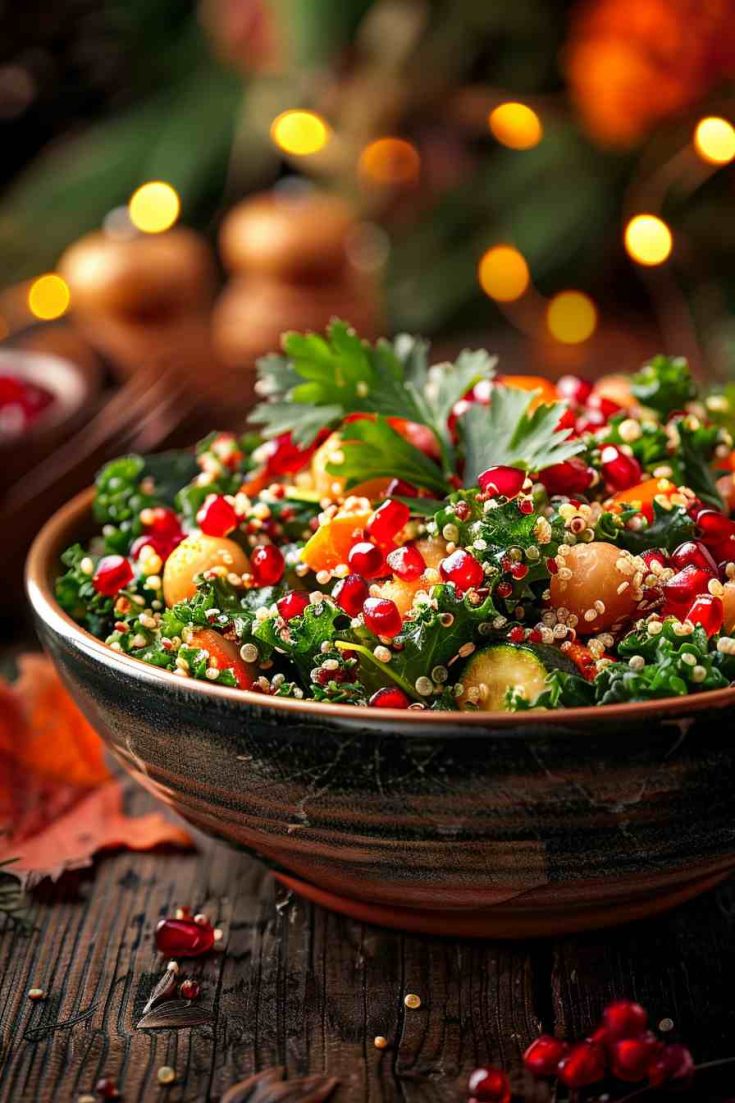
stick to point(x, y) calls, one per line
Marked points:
point(77, 596)
point(302, 637)
point(651, 448)
point(668, 529)
point(693, 460)
point(129, 484)
point(664, 384)
point(673, 666)
point(428, 644)
point(510, 433)
point(217, 604)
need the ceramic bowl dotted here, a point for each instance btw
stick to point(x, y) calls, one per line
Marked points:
point(487, 824)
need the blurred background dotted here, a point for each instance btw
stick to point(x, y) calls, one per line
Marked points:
point(184, 181)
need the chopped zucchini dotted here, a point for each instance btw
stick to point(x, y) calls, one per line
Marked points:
point(503, 666)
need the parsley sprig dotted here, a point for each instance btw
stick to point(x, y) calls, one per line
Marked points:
point(322, 380)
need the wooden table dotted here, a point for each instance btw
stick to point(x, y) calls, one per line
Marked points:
point(302, 988)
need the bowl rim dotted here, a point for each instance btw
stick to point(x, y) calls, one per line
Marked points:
point(57, 533)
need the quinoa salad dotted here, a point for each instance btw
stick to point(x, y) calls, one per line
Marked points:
point(400, 534)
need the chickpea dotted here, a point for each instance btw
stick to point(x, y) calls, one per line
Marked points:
point(596, 577)
point(195, 554)
point(728, 606)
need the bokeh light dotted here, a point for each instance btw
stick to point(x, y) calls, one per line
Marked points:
point(515, 125)
point(571, 317)
point(154, 207)
point(390, 161)
point(648, 239)
point(300, 133)
point(48, 297)
point(714, 140)
point(503, 273)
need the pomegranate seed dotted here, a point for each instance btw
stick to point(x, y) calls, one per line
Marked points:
point(462, 511)
point(106, 1088)
point(571, 477)
point(292, 604)
point(382, 616)
point(217, 516)
point(573, 389)
point(350, 593)
point(534, 636)
point(543, 1056)
point(189, 989)
point(388, 520)
point(489, 1085)
point(406, 562)
point(631, 1057)
point(519, 571)
point(604, 406)
point(507, 481)
point(654, 555)
point(113, 572)
point(624, 1019)
point(390, 697)
point(674, 1064)
point(286, 458)
point(463, 570)
point(161, 547)
point(567, 421)
point(619, 470)
point(681, 590)
point(552, 566)
point(517, 634)
point(693, 553)
point(718, 533)
point(267, 565)
point(164, 522)
point(583, 1064)
point(709, 612)
point(367, 559)
point(526, 506)
point(504, 589)
point(184, 937)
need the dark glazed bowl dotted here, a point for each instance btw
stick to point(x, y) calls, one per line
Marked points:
point(468, 824)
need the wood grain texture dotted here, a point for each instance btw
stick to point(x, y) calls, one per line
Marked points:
point(298, 987)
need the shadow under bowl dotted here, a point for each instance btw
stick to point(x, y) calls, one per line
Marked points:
point(493, 824)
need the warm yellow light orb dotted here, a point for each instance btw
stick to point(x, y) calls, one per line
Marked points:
point(48, 297)
point(300, 133)
point(648, 239)
point(714, 140)
point(515, 125)
point(571, 317)
point(503, 273)
point(390, 161)
point(154, 207)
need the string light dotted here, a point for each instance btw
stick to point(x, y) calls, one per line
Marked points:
point(48, 297)
point(154, 207)
point(516, 125)
point(648, 239)
point(571, 317)
point(714, 140)
point(300, 133)
point(390, 161)
point(503, 273)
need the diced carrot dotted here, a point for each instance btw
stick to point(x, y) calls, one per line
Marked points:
point(642, 494)
point(225, 654)
point(583, 659)
point(331, 542)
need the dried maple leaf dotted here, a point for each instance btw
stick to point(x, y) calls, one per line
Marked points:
point(59, 802)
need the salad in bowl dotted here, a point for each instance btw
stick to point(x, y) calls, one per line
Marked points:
point(397, 534)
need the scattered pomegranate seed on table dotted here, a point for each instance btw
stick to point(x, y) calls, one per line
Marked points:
point(489, 1085)
point(184, 937)
point(189, 989)
point(543, 1056)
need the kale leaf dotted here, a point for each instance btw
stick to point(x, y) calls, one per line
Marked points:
point(664, 384)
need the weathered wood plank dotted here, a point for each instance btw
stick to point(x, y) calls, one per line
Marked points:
point(309, 990)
